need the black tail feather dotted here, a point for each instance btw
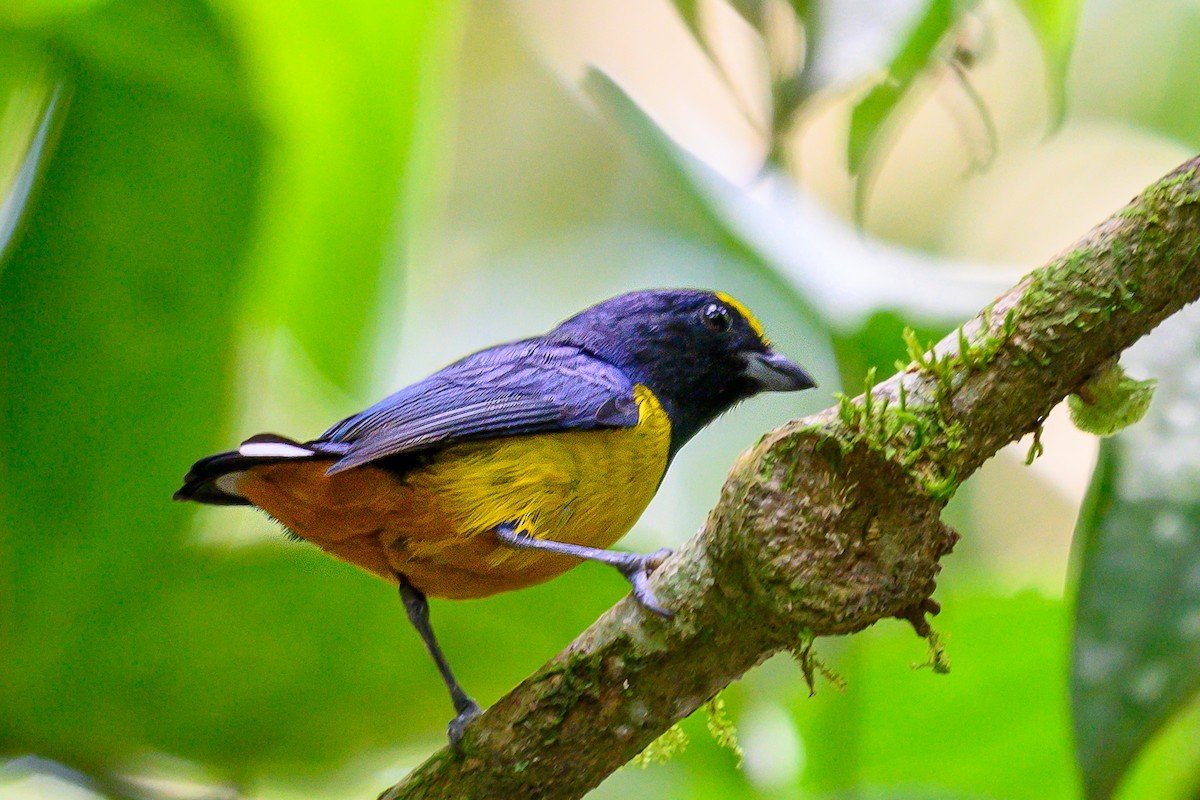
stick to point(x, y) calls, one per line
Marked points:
point(201, 484)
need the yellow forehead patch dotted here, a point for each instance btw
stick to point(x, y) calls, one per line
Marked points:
point(751, 320)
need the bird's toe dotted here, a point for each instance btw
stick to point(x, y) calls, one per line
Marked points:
point(458, 726)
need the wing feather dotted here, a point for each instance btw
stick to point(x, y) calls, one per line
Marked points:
point(520, 388)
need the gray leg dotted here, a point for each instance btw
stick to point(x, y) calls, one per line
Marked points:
point(634, 566)
point(417, 608)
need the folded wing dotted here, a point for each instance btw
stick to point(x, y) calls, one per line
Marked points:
point(519, 388)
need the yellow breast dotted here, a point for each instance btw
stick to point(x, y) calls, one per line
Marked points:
point(433, 524)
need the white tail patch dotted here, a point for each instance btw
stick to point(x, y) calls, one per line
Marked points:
point(273, 450)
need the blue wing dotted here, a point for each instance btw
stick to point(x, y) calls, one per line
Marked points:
point(519, 388)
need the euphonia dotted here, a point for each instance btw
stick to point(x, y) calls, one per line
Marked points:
point(508, 467)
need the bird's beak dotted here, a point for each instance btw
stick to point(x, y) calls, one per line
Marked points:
point(775, 373)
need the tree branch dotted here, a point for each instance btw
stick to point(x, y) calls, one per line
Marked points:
point(832, 523)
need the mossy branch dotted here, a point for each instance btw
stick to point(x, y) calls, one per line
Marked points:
point(832, 523)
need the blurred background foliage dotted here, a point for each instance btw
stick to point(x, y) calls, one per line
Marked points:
point(231, 216)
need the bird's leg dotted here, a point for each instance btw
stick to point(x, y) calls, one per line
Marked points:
point(417, 608)
point(636, 567)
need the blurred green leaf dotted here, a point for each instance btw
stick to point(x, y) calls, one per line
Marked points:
point(1137, 616)
point(31, 111)
point(114, 338)
point(790, 88)
point(791, 84)
point(1138, 69)
point(152, 231)
point(1169, 765)
point(34, 12)
point(1007, 679)
point(337, 86)
point(916, 53)
point(690, 11)
point(871, 115)
point(162, 45)
point(750, 10)
point(1054, 23)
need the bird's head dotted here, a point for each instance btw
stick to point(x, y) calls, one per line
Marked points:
point(700, 352)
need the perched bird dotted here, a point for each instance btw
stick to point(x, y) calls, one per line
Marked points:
point(507, 467)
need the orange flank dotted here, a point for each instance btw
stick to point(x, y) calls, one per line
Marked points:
point(433, 523)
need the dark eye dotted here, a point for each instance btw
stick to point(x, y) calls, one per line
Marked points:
point(716, 317)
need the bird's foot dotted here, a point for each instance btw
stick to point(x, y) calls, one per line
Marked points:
point(634, 566)
point(458, 726)
point(637, 568)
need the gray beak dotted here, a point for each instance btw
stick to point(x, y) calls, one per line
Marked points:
point(775, 373)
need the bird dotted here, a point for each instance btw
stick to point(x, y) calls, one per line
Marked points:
point(516, 463)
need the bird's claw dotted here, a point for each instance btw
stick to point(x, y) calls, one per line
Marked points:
point(458, 725)
point(637, 571)
point(656, 559)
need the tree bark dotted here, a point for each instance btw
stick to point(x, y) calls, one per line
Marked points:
point(832, 523)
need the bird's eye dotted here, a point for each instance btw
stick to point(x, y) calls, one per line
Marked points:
point(716, 317)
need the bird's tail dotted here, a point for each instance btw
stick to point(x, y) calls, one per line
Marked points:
point(213, 480)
